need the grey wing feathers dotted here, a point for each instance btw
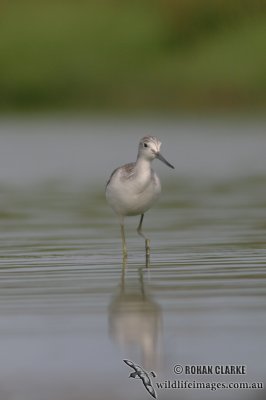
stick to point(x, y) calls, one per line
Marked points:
point(151, 390)
point(143, 376)
point(112, 174)
point(136, 367)
point(128, 362)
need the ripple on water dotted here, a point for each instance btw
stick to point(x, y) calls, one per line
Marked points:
point(62, 276)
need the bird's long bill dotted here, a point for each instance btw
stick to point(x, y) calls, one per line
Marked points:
point(160, 157)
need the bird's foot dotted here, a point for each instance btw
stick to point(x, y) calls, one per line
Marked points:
point(148, 252)
point(147, 246)
point(124, 253)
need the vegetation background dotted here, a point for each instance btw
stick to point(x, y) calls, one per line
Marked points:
point(124, 55)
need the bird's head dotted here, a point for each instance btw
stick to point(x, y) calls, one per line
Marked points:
point(149, 149)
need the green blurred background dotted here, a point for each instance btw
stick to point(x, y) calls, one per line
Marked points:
point(125, 55)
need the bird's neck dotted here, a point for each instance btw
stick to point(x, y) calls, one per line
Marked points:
point(143, 174)
point(143, 166)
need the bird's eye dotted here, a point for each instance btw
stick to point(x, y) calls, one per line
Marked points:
point(145, 145)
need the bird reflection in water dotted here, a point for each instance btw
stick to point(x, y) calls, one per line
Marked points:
point(135, 320)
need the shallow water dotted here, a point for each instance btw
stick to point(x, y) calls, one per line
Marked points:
point(70, 312)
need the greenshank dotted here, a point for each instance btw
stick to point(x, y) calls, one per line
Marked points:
point(133, 188)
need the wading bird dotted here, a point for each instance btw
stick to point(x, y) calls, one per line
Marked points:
point(133, 188)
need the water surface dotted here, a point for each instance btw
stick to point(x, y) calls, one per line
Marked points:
point(70, 312)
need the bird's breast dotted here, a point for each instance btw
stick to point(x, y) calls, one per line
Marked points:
point(145, 184)
point(135, 194)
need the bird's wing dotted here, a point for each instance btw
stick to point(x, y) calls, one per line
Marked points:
point(146, 379)
point(150, 389)
point(136, 367)
point(112, 174)
point(131, 364)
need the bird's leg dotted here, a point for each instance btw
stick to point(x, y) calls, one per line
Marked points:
point(147, 241)
point(124, 246)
